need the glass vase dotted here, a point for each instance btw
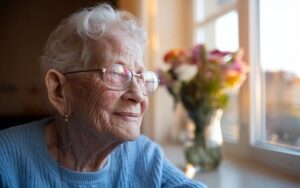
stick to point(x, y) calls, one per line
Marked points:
point(203, 146)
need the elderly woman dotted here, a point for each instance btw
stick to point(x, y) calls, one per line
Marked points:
point(98, 88)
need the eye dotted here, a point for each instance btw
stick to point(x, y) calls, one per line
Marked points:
point(151, 81)
point(117, 76)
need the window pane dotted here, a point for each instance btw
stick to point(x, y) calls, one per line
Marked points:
point(227, 34)
point(206, 35)
point(230, 119)
point(206, 8)
point(223, 35)
point(279, 49)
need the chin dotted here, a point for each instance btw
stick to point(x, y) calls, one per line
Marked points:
point(134, 137)
point(130, 135)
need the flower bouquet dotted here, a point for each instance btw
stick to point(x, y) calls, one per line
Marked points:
point(201, 80)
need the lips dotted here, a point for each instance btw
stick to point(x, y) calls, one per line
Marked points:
point(132, 114)
point(128, 115)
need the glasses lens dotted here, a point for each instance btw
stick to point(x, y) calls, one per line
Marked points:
point(151, 82)
point(117, 77)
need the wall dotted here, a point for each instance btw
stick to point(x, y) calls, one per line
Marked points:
point(175, 31)
point(25, 27)
point(169, 25)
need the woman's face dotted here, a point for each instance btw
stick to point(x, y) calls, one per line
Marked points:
point(103, 111)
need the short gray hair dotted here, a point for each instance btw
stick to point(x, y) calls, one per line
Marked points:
point(68, 47)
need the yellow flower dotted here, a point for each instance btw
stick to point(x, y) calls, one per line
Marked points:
point(232, 79)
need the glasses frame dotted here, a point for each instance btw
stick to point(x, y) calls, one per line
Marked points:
point(102, 72)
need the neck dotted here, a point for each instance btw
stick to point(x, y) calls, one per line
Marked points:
point(76, 149)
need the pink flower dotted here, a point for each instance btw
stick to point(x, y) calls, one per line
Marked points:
point(238, 66)
point(197, 54)
point(219, 56)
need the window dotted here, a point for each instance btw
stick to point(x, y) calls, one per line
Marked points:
point(274, 124)
point(263, 118)
point(217, 27)
point(280, 75)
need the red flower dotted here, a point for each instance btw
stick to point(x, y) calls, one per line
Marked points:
point(175, 56)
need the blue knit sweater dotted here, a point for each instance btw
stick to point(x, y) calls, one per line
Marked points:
point(25, 162)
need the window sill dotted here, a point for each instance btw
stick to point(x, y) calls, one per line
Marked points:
point(236, 173)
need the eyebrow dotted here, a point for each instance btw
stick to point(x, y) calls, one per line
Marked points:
point(101, 70)
point(89, 70)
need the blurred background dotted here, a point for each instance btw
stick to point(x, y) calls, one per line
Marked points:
point(263, 117)
point(25, 27)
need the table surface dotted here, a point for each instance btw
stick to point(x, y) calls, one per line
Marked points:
point(236, 173)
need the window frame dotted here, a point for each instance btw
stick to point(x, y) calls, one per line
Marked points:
point(281, 157)
point(252, 110)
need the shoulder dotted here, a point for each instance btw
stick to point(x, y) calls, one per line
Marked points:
point(17, 139)
point(20, 131)
point(142, 152)
point(148, 156)
point(13, 134)
point(141, 160)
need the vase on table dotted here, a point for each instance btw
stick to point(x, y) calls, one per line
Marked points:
point(203, 146)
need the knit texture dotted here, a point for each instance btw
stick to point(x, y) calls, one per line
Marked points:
point(26, 162)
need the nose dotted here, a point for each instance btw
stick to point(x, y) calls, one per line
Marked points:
point(134, 91)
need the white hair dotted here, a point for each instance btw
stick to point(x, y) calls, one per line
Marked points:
point(69, 46)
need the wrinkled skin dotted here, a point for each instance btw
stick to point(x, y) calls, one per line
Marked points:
point(100, 118)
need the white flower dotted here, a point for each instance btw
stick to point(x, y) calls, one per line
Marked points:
point(186, 72)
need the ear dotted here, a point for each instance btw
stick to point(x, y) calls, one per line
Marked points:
point(56, 91)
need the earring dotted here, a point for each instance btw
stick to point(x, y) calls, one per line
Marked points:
point(66, 118)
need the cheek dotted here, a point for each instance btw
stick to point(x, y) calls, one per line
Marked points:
point(79, 93)
point(92, 102)
point(144, 105)
point(99, 106)
point(105, 100)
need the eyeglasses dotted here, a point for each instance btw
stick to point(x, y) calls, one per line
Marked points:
point(119, 77)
